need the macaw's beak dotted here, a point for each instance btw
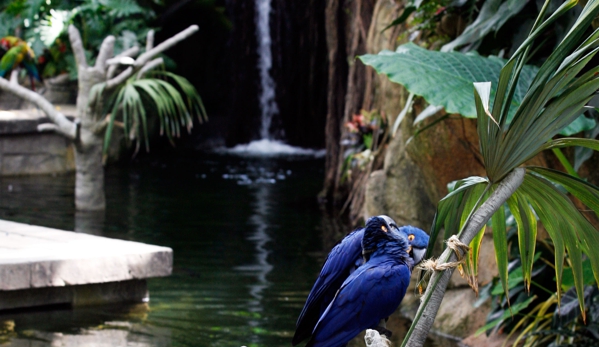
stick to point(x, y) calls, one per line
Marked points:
point(417, 254)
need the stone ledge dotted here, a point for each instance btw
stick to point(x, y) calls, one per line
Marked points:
point(38, 257)
point(26, 121)
point(132, 291)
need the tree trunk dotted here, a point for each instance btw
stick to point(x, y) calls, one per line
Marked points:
point(89, 179)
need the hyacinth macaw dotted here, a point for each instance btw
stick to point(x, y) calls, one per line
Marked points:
point(372, 292)
point(18, 53)
point(343, 259)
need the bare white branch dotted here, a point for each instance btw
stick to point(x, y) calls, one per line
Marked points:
point(145, 57)
point(150, 40)
point(47, 127)
point(120, 78)
point(163, 46)
point(77, 46)
point(63, 125)
point(14, 76)
point(149, 66)
point(106, 51)
point(131, 52)
point(120, 61)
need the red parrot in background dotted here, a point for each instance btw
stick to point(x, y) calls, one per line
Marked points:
point(18, 52)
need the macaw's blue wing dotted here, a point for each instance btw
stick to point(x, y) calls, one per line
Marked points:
point(340, 263)
point(370, 294)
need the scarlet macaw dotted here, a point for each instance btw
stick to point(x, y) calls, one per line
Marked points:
point(341, 262)
point(18, 52)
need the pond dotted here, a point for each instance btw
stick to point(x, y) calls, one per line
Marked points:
point(247, 235)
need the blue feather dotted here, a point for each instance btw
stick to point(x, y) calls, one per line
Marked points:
point(341, 262)
point(371, 293)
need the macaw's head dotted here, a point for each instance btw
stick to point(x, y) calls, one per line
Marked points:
point(7, 42)
point(378, 233)
point(4, 43)
point(418, 240)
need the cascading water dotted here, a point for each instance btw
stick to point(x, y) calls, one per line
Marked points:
point(268, 105)
point(267, 145)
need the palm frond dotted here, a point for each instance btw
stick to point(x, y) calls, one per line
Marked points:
point(174, 105)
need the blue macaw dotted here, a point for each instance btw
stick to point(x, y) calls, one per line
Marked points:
point(371, 293)
point(343, 259)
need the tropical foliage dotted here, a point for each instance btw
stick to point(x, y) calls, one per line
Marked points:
point(562, 87)
point(537, 319)
point(168, 96)
point(556, 96)
point(43, 25)
point(445, 79)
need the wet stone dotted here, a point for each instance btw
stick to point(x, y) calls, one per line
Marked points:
point(40, 266)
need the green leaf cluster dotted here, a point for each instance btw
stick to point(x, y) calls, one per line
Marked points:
point(172, 98)
point(556, 96)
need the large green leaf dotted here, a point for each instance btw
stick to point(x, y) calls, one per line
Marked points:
point(444, 78)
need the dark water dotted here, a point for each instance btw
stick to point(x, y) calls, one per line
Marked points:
point(247, 236)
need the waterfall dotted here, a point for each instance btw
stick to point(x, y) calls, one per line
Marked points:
point(267, 145)
point(268, 105)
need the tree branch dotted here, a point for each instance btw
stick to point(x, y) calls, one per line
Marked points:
point(431, 301)
point(145, 57)
point(77, 46)
point(120, 78)
point(106, 51)
point(14, 76)
point(150, 40)
point(131, 52)
point(63, 125)
point(149, 66)
point(163, 46)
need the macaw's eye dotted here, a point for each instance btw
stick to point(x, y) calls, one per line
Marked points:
point(411, 237)
point(383, 227)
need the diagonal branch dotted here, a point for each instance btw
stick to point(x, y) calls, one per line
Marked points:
point(163, 46)
point(431, 301)
point(149, 66)
point(63, 126)
point(147, 56)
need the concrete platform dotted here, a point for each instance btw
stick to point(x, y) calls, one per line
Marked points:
point(25, 151)
point(43, 266)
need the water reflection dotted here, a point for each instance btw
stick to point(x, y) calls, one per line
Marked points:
point(259, 237)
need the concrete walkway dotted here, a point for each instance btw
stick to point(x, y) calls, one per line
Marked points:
point(44, 266)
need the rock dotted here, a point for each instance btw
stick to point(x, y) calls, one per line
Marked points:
point(399, 190)
point(445, 152)
point(457, 316)
point(492, 340)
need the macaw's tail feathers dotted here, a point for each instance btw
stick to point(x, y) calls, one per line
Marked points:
point(32, 70)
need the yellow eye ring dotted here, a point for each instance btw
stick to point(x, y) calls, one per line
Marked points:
point(411, 237)
point(383, 227)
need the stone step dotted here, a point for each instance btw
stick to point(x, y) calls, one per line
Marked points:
point(38, 262)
